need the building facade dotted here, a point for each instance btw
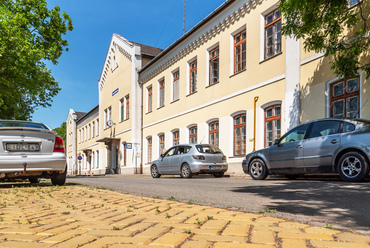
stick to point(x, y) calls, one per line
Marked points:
point(233, 80)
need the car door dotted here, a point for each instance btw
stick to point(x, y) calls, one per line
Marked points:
point(165, 163)
point(177, 159)
point(322, 142)
point(287, 155)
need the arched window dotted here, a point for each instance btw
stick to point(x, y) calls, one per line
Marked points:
point(240, 134)
point(272, 124)
point(193, 133)
point(214, 133)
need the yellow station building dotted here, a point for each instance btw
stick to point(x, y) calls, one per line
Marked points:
point(233, 80)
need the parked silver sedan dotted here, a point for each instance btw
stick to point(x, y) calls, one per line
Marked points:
point(30, 150)
point(189, 159)
point(321, 146)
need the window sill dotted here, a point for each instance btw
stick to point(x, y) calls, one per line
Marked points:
point(148, 112)
point(192, 93)
point(175, 101)
point(271, 57)
point(161, 107)
point(238, 156)
point(212, 84)
point(237, 73)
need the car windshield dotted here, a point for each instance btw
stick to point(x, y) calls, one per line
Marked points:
point(22, 124)
point(208, 149)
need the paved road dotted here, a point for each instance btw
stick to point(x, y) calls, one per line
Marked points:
point(317, 201)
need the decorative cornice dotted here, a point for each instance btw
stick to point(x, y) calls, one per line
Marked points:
point(207, 35)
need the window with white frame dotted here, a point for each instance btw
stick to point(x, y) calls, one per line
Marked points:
point(272, 124)
point(214, 138)
point(240, 134)
point(150, 149)
point(127, 100)
point(161, 143)
point(176, 86)
point(240, 51)
point(214, 65)
point(272, 33)
point(193, 67)
point(150, 98)
point(345, 98)
point(122, 109)
point(176, 137)
point(93, 129)
point(161, 92)
point(97, 127)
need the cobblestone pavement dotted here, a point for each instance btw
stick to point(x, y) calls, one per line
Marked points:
point(80, 216)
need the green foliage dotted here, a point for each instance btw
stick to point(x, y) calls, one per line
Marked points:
point(30, 35)
point(62, 132)
point(331, 26)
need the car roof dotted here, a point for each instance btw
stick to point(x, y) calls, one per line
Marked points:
point(353, 120)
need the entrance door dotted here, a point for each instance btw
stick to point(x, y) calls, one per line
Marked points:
point(114, 157)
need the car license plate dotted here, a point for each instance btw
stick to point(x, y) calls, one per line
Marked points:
point(215, 167)
point(22, 147)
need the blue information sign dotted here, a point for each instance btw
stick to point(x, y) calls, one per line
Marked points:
point(115, 92)
point(128, 145)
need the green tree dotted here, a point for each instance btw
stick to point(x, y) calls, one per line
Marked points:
point(30, 35)
point(62, 132)
point(333, 27)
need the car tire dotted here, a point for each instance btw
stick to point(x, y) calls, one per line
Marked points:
point(34, 180)
point(353, 167)
point(258, 169)
point(186, 171)
point(59, 179)
point(220, 174)
point(154, 171)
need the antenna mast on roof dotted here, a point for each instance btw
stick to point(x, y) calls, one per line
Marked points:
point(183, 29)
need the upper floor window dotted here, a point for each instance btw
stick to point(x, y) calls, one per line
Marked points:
point(193, 77)
point(214, 133)
point(161, 144)
point(345, 98)
point(176, 138)
point(89, 131)
point(193, 133)
point(214, 66)
point(176, 86)
point(93, 130)
point(79, 136)
point(240, 56)
point(150, 99)
point(240, 134)
point(122, 109)
point(97, 127)
point(272, 124)
point(127, 99)
point(272, 33)
point(161, 93)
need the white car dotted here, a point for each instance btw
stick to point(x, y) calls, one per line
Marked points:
point(30, 150)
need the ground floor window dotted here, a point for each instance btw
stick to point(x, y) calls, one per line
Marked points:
point(214, 133)
point(176, 138)
point(240, 134)
point(193, 131)
point(161, 143)
point(150, 150)
point(272, 124)
point(345, 98)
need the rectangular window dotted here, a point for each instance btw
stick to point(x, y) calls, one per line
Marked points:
point(127, 98)
point(272, 124)
point(345, 98)
point(214, 133)
point(240, 56)
point(176, 86)
point(150, 99)
point(150, 150)
point(122, 108)
point(193, 77)
point(93, 129)
point(213, 66)
point(193, 131)
point(97, 127)
point(161, 93)
point(89, 131)
point(79, 136)
point(105, 118)
point(240, 134)
point(161, 143)
point(272, 33)
point(176, 138)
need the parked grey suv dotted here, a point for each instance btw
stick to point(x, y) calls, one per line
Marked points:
point(321, 146)
point(189, 159)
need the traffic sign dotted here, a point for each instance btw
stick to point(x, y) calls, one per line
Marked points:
point(79, 157)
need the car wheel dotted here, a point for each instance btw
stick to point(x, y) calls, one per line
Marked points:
point(258, 169)
point(186, 171)
point(59, 179)
point(353, 167)
point(220, 174)
point(154, 171)
point(34, 180)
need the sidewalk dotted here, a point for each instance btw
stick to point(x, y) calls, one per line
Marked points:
point(78, 216)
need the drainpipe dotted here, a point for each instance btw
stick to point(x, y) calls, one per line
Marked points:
point(254, 127)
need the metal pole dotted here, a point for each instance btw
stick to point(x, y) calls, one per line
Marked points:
point(254, 127)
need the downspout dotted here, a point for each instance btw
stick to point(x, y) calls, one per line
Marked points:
point(141, 125)
point(254, 126)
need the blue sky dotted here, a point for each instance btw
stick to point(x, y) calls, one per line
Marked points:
point(155, 23)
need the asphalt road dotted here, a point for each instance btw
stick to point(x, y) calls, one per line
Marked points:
point(317, 201)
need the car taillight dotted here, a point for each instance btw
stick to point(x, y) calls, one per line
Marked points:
point(223, 158)
point(200, 157)
point(59, 145)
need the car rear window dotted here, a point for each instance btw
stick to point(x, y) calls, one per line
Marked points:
point(22, 124)
point(208, 149)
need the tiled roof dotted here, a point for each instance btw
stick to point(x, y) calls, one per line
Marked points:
point(79, 115)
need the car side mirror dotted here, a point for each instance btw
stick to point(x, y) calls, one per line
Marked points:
point(276, 142)
point(162, 155)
